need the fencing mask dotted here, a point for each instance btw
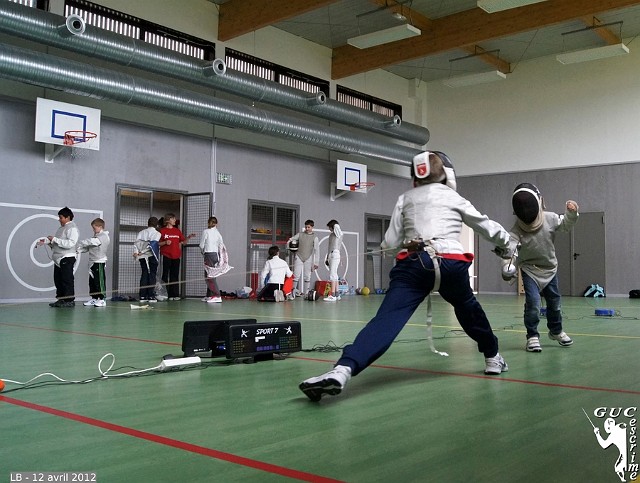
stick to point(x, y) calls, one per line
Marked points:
point(448, 170)
point(445, 174)
point(527, 203)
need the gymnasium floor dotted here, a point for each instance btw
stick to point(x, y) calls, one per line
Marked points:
point(414, 416)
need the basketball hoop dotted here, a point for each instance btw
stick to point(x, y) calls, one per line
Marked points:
point(73, 138)
point(361, 187)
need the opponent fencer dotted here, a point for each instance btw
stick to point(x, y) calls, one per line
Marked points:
point(535, 230)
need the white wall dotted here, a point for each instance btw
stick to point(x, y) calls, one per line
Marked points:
point(545, 115)
point(570, 129)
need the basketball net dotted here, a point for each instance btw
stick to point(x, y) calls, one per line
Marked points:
point(361, 187)
point(75, 138)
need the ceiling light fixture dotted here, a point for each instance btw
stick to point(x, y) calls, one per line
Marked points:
point(393, 34)
point(474, 79)
point(492, 6)
point(595, 53)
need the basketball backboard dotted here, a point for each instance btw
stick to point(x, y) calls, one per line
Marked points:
point(54, 119)
point(348, 174)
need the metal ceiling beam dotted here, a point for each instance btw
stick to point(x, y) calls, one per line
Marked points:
point(238, 17)
point(467, 28)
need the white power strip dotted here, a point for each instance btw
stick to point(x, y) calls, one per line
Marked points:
point(168, 364)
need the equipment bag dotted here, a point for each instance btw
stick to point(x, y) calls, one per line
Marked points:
point(594, 290)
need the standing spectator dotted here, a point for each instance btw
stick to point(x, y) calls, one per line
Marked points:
point(333, 259)
point(63, 247)
point(171, 241)
point(211, 245)
point(146, 250)
point(306, 258)
point(97, 247)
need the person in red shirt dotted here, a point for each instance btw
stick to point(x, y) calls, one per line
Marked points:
point(171, 241)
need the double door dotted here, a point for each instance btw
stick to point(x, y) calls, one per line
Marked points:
point(376, 265)
point(581, 255)
point(269, 224)
point(134, 206)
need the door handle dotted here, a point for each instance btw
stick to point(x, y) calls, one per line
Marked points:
point(575, 256)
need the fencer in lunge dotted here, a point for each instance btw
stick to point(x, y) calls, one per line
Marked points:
point(425, 227)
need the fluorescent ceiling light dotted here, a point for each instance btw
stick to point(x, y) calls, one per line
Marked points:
point(592, 54)
point(474, 79)
point(380, 37)
point(491, 6)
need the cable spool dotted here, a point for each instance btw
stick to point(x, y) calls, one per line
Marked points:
point(605, 312)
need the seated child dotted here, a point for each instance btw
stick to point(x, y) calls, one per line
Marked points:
point(274, 272)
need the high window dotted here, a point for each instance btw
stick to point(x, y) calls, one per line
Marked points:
point(365, 101)
point(41, 4)
point(123, 24)
point(276, 73)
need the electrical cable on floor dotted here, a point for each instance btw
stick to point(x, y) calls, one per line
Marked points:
point(453, 332)
point(104, 375)
point(332, 347)
point(611, 314)
point(603, 312)
point(328, 347)
point(448, 334)
point(606, 314)
point(618, 316)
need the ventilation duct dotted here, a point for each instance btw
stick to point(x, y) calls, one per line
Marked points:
point(43, 27)
point(86, 80)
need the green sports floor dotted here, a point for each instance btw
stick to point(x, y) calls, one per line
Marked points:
point(414, 416)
